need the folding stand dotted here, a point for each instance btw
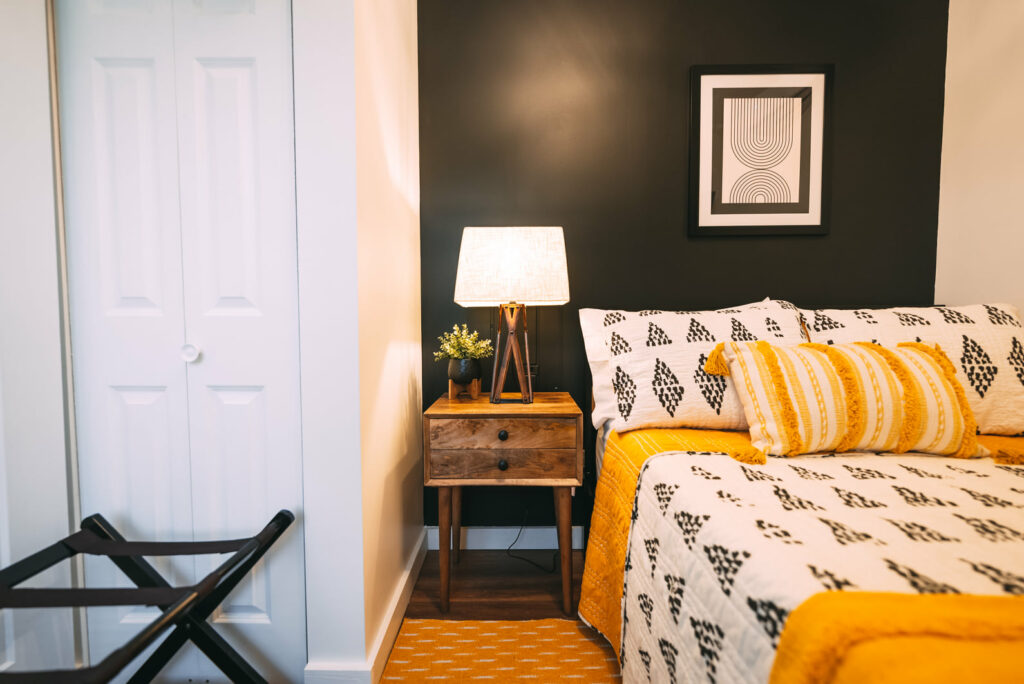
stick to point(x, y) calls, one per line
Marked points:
point(184, 607)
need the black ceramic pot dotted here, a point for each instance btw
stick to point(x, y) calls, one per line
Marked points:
point(464, 371)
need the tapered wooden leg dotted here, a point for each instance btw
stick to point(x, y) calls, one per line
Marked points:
point(554, 495)
point(456, 522)
point(563, 513)
point(495, 387)
point(501, 369)
point(444, 529)
point(522, 373)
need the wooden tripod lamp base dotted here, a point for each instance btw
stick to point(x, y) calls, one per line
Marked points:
point(511, 318)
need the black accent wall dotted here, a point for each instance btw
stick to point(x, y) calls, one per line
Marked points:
point(575, 113)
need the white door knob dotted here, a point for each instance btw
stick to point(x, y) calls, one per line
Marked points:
point(189, 353)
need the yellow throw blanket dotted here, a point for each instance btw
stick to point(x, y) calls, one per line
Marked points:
point(852, 637)
point(1008, 450)
point(625, 454)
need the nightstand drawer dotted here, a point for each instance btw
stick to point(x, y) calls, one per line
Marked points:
point(502, 433)
point(502, 464)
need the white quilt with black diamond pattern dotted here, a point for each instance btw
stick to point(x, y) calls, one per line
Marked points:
point(720, 552)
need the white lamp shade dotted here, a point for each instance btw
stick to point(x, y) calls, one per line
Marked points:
point(525, 265)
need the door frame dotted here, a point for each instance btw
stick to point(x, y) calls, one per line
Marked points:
point(39, 427)
point(323, 43)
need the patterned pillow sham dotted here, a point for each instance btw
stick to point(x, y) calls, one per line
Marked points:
point(984, 341)
point(648, 366)
point(815, 398)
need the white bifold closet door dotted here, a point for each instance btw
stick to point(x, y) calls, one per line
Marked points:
point(176, 121)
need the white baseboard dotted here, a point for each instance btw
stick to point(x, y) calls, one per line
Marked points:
point(380, 648)
point(384, 641)
point(500, 537)
point(334, 672)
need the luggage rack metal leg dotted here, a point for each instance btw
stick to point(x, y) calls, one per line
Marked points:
point(187, 609)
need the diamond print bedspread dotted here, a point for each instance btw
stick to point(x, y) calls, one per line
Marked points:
point(720, 552)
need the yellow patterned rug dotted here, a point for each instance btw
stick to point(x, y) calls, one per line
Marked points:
point(500, 650)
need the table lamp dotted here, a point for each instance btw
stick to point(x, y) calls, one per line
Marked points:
point(512, 268)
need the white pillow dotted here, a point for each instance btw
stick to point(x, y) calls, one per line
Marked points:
point(648, 366)
point(984, 341)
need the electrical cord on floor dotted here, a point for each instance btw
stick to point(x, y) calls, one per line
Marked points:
point(508, 551)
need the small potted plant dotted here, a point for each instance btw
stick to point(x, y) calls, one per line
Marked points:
point(463, 350)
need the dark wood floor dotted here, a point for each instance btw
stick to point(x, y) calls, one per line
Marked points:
point(488, 585)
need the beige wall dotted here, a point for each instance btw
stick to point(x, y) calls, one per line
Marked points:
point(981, 224)
point(388, 213)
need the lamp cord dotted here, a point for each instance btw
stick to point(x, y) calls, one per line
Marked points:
point(508, 551)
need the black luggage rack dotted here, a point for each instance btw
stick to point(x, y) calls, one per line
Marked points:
point(186, 608)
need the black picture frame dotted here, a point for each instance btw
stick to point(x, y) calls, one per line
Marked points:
point(804, 201)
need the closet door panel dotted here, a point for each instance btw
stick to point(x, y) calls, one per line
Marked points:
point(179, 187)
point(239, 262)
point(116, 78)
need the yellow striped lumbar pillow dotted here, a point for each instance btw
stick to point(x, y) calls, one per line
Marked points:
point(816, 398)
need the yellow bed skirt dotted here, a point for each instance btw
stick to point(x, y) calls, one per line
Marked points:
point(624, 456)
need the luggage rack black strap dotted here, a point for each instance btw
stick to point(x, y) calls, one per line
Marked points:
point(73, 598)
point(85, 541)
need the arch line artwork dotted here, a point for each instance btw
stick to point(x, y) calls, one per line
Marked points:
point(760, 149)
point(761, 131)
point(760, 141)
point(760, 186)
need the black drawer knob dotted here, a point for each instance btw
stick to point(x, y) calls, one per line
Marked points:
point(502, 464)
point(502, 435)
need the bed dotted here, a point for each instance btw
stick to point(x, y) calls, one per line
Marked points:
point(715, 553)
point(704, 566)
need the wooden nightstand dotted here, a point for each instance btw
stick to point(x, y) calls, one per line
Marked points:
point(475, 442)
